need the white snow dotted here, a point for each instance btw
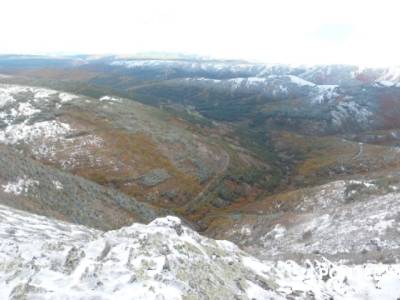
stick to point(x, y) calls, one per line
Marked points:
point(13, 134)
point(351, 110)
point(326, 93)
point(276, 233)
point(390, 75)
point(245, 230)
point(65, 97)
point(254, 291)
point(343, 219)
point(300, 81)
point(110, 98)
point(25, 109)
point(326, 280)
point(210, 66)
point(42, 93)
point(327, 87)
point(273, 83)
point(365, 183)
point(42, 258)
point(26, 119)
point(58, 185)
point(255, 79)
point(386, 83)
point(20, 186)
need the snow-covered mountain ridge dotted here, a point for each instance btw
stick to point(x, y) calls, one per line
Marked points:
point(318, 74)
point(46, 259)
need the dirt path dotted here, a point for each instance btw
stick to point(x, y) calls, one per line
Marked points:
point(192, 204)
point(360, 151)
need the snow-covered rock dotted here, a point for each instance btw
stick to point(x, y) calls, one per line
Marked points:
point(42, 258)
point(274, 86)
point(22, 185)
point(391, 74)
point(30, 116)
point(110, 98)
point(65, 97)
point(20, 107)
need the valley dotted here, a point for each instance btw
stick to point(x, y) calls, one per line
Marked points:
point(290, 163)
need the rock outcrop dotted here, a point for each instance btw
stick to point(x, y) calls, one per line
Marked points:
point(47, 259)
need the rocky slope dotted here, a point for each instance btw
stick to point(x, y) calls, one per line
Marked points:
point(46, 259)
point(145, 153)
point(350, 220)
point(29, 185)
point(234, 130)
point(116, 142)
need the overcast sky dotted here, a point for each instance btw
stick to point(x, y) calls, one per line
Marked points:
point(286, 31)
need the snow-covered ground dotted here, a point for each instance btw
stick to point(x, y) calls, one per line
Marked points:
point(20, 105)
point(110, 99)
point(281, 86)
point(29, 116)
point(42, 258)
point(352, 221)
point(20, 186)
point(189, 66)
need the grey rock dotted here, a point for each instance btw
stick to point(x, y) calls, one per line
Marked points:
point(154, 177)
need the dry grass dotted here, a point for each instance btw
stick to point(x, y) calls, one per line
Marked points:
point(127, 156)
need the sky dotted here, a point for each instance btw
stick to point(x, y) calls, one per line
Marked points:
point(361, 32)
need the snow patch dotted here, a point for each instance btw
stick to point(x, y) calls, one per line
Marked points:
point(14, 134)
point(20, 186)
point(58, 185)
point(110, 98)
point(300, 81)
point(65, 97)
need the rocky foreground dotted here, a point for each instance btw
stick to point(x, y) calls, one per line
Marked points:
point(41, 258)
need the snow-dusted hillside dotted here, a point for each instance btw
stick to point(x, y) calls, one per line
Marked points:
point(31, 115)
point(272, 86)
point(42, 258)
point(317, 74)
point(191, 65)
point(348, 220)
point(109, 140)
point(324, 99)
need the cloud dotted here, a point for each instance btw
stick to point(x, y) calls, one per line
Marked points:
point(334, 32)
point(291, 31)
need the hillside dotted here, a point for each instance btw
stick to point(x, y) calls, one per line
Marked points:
point(48, 259)
point(115, 142)
point(297, 165)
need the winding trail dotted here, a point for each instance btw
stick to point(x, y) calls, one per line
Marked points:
point(360, 151)
point(192, 204)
